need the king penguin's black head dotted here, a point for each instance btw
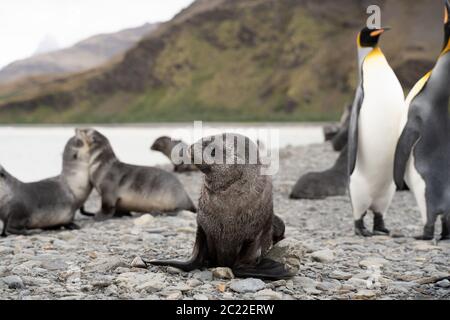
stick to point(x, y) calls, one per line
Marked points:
point(368, 38)
point(446, 22)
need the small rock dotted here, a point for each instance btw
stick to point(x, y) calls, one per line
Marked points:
point(247, 285)
point(279, 283)
point(222, 273)
point(444, 284)
point(323, 256)
point(329, 286)
point(5, 250)
point(221, 287)
point(13, 282)
point(338, 275)
point(425, 246)
point(106, 264)
point(144, 220)
point(268, 294)
point(54, 265)
point(308, 285)
point(173, 270)
point(151, 286)
point(203, 275)
point(194, 283)
point(364, 295)
point(289, 252)
point(373, 262)
point(138, 263)
point(200, 297)
point(357, 283)
point(174, 295)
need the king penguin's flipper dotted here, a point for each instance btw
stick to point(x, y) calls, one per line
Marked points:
point(353, 130)
point(267, 269)
point(409, 137)
point(198, 255)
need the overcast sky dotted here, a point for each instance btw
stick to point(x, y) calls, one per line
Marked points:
point(25, 24)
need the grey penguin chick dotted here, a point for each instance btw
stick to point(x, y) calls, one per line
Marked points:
point(124, 187)
point(236, 225)
point(50, 203)
point(165, 145)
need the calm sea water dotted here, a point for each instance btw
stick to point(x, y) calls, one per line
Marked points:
point(33, 153)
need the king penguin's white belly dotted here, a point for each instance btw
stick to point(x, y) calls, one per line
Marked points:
point(417, 185)
point(378, 126)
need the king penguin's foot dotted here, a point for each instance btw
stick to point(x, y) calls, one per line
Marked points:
point(379, 229)
point(428, 234)
point(361, 230)
point(445, 235)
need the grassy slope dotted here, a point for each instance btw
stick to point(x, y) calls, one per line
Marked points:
point(254, 60)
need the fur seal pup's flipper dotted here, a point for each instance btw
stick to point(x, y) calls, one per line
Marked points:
point(118, 214)
point(86, 213)
point(197, 260)
point(278, 229)
point(408, 139)
point(267, 269)
point(71, 226)
point(17, 221)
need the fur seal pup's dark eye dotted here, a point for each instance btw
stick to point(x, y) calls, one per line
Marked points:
point(2, 175)
point(78, 143)
point(213, 152)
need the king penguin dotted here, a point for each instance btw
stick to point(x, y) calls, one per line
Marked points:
point(373, 134)
point(422, 157)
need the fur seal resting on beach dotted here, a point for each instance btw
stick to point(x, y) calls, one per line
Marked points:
point(320, 185)
point(50, 203)
point(236, 223)
point(165, 145)
point(125, 188)
point(338, 134)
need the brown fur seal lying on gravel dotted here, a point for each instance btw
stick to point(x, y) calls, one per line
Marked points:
point(124, 187)
point(320, 185)
point(49, 203)
point(165, 145)
point(236, 224)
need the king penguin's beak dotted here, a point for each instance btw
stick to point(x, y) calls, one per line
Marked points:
point(446, 11)
point(380, 31)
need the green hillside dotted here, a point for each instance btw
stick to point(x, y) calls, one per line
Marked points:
point(249, 60)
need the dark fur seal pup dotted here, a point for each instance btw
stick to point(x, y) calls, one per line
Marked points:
point(124, 187)
point(236, 223)
point(50, 203)
point(165, 145)
point(320, 185)
point(338, 135)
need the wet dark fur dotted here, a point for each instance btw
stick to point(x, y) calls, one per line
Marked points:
point(236, 222)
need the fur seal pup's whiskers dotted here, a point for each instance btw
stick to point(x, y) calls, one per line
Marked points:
point(236, 224)
point(125, 188)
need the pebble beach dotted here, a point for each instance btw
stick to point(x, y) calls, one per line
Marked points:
point(104, 260)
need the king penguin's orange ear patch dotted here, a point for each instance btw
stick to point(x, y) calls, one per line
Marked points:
point(445, 15)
